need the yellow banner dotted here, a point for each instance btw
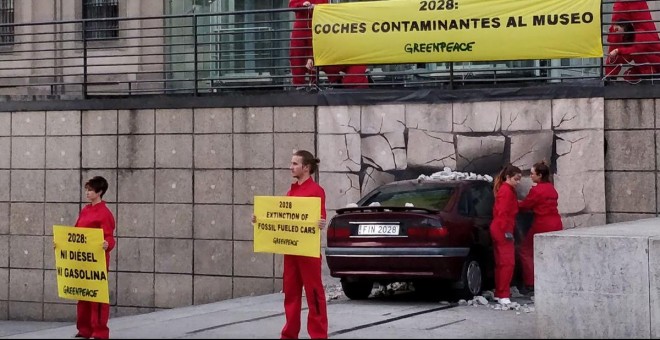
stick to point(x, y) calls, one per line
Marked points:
point(415, 31)
point(287, 225)
point(80, 263)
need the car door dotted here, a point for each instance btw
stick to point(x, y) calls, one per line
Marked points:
point(482, 200)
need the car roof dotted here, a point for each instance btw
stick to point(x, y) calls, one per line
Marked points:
point(430, 183)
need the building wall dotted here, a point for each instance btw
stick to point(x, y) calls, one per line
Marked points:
point(182, 183)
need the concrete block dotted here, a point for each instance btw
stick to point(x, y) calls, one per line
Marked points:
point(4, 251)
point(583, 220)
point(135, 220)
point(26, 219)
point(5, 183)
point(4, 218)
point(581, 192)
point(279, 265)
point(211, 257)
point(4, 283)
point(213, 186)
point(25, 311)
point(630, 150)
point(63, 152)
point(340, 189)
point(60, 312)
point(136, 289)
point(250, 183)
point(630, 192)
point(277, 285)
point(174, 220)
point(249, 263)
point(480, 154)
point(249, 286)
point(477, 117)
point(253, 150)
point(339, 119)
point(429, 117)
point(629, 114)
point(374, 178)
point(99, 151)
point(50, 289)
point(654, 284)
point(294, 119)
point(529, 148)
point(174, 256)
point(4, 308)
point(26, 285)
point(213, 151)
point(136, 185)
point(135, 254)
point(5, 149)
point(377, 119)
point(62, 185)
point(174, 186)
point(213, 221)
point(49, 253)
point(136, 151)
point(28, 123)
point(174, 121)
point(657, 149)
point(110, 175)
point(578, 113)
point(579, 151)
point(99, 122)
point(26, 252)
point(136, 121)
point(625, 217)
point(211, 289)
point(63, 123)
point(28, 152)
point(526, 115)
point(283, 181)
point(215, 120)
point(340, 152)
point(288, 143)
point(253, 119)
point(173, 290)
point(243, 229)
point(584, 291)
point(27, 185)
point(385, 151)
point(5, 123)
point(174, 151)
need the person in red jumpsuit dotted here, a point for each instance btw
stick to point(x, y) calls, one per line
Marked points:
point(505, 210)
point(542, 200)
point(633, 41)
point(347, 76)
point(300, 52)
point(92, 317)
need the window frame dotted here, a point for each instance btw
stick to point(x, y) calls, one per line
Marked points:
point(7, 16)
point(102, 30)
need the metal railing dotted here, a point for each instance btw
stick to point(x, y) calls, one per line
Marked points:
point(206, 53)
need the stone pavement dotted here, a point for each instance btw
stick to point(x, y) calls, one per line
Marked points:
point(398, 316)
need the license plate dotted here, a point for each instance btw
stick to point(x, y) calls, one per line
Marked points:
point(378, 229)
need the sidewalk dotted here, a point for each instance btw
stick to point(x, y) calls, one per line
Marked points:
point(262, 317)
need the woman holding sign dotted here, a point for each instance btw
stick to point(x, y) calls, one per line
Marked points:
point(92, 317)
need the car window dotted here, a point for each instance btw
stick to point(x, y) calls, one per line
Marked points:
point(482, 201)
point(430, 198)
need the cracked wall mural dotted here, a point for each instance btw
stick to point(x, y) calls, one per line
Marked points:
point(362, 147)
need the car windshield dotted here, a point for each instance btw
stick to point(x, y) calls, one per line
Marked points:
point(430, 198)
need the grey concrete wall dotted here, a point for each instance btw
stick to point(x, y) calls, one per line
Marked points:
point(599, 282)
point(182, 183)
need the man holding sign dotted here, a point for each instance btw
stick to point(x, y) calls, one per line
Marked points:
point(303, 271)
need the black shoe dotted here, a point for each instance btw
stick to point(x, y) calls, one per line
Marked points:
point(527, 290)
point(80, 336)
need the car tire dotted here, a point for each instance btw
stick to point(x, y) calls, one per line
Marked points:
point(357, 290)
point(472, 279)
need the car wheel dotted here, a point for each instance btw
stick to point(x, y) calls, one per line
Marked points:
point(472, 278)
point(357, 290)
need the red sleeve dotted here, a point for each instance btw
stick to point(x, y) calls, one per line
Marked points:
point(531, 200)
point(108, 225)
point(322, 195)
point(296, 3)
point(502, 205)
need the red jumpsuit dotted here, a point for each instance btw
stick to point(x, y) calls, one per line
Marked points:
point(542, 199)
point(305, 271)
point(93, 317)
point(504, 221)
point(645, 40)
point(301, 41)
point(354, 75)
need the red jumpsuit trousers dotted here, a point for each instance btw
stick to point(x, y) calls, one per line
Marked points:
point(542, 199)
point(354, 75)
point(92, 321)
point(504, 221)
point(305, 271)
point(301, 42)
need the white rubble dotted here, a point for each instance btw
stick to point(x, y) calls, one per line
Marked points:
point(448, 175)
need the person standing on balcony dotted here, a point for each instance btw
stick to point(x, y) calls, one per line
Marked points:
point(300, 52)
point(542, 200)
point(502, 227)
point(92, 317)
point(347, 76)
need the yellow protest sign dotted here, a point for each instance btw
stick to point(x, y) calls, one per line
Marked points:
point(287, 225)
point(80, 263)
point(415, 31)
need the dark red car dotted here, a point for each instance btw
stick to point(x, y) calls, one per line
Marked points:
point(427, 232)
